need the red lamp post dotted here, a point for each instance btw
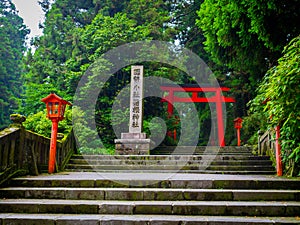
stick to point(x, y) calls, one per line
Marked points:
point(55, 112)
point(279, 168)
point(238, 125)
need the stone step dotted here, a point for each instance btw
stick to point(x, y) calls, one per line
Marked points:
point(167, 162)
point(107, 219)
point(180, 152)
point(150, 198)
point(157, 180)
point(142, 194)
point(201, 149)
point(200, 153)
point(226, 160)
point(169, 157)
point(211, 208)
point(200, 167)
point(244, 172)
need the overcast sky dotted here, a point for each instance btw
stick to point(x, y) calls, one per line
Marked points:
point(31, 13)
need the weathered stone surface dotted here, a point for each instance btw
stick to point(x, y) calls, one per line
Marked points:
point(132, 146)
point(85, 193)
point(231, 160)
point(133, 136)
point(150, 198)
point(153, 208)
point(116, 208)
point(124, 194)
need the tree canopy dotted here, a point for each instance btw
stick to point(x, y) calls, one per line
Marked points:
point(12, 46)
point(248, 36)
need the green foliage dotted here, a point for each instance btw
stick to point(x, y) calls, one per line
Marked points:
point(252, 123)
point(34, 94)
point(280, 90)
point(244, 34)
point(155, 17)
point(47, 66)
point(245, 38)
point(105, 33)
point(12, 46)
point(184, 16)
point(88, 139)
point(39, 123)
point(226, 28)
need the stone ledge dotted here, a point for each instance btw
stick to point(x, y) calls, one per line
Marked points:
point(132, 141)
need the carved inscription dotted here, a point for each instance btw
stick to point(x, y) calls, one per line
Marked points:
point(136, 99)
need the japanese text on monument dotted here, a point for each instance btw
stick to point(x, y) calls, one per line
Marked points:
point(136, 98)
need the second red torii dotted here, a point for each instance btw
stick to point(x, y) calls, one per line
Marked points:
point(217, 98)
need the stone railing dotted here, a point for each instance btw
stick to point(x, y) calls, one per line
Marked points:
point(266, 144)
point(25, 152)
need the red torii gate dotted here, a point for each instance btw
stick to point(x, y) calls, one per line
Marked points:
point(218, 98)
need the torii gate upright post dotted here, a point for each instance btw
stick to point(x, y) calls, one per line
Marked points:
point(219, 108)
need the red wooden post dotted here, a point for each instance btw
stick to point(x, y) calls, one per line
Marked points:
point(175, 134)
point(170, 103)
point(52, 153)
point(220, 118)
point(278, 152)
point(238, 137)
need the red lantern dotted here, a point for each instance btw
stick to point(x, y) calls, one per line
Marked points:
point(55, 112)
point(55, 106)
point(238, 125)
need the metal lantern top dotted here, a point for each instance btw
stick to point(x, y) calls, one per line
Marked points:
point(238, 123)
point(55, 106)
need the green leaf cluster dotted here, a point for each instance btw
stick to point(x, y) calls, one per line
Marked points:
point(244, 34)
point(280, 91)
point(12, 46)
point(39, 123)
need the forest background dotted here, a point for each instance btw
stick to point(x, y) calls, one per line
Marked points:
point(253, 47)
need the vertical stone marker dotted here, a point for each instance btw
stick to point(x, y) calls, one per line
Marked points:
point(134, 142)
point(136, 99)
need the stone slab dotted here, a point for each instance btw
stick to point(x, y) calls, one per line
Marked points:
point(133, 136)
point(221, 208)
point(132, 146)
point(74, 219)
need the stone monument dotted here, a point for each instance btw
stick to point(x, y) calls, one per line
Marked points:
point(134, 142)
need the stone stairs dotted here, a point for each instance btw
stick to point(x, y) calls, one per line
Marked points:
point(211, 186)
point(226, 160)
point(150, 198)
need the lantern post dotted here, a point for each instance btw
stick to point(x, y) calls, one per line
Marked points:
point(238, 125)
point(279, 168)
point(55, 112)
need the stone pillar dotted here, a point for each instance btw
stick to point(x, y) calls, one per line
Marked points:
point(134, 142)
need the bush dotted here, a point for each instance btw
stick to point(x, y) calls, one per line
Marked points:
point(39, 123)
point(280, 91)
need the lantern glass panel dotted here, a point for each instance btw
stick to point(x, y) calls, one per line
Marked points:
point(50, 108)
point(63, 107)
point(56, 104)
